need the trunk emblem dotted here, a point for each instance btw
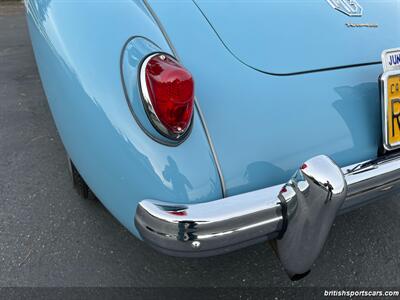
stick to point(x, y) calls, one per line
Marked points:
point(349, 7)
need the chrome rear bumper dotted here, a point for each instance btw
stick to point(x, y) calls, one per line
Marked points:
point(227, 224)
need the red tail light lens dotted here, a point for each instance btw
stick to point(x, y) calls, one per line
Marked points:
point(168, 94)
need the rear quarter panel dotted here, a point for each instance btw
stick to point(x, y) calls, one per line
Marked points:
point(77, 45)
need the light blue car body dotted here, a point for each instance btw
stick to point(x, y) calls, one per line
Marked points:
point(277, 82)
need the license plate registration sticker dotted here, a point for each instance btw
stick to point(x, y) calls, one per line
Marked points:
point(391, 59)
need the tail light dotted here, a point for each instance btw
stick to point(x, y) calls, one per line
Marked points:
point(168, 94)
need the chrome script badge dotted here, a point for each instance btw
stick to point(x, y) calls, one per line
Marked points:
point(349, 7)
point(360, 25)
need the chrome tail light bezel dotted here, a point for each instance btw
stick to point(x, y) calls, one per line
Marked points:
point(148, 105)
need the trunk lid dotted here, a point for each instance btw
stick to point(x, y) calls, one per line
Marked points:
point(282, 37)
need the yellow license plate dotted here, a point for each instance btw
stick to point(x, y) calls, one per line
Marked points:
point(390, 85)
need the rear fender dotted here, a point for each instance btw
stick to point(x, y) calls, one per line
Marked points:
point(78, 47)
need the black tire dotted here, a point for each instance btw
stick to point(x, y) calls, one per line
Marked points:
point(79, 183)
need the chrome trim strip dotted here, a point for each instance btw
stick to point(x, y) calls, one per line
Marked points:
point(212, 147)
point(234, 222)
point(197, 105)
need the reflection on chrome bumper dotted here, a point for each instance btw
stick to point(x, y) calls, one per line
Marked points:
point(234, 222)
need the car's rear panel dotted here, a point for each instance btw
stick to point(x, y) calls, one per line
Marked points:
point(263, 126)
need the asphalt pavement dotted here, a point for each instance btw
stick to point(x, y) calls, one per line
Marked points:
point(49, 236)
